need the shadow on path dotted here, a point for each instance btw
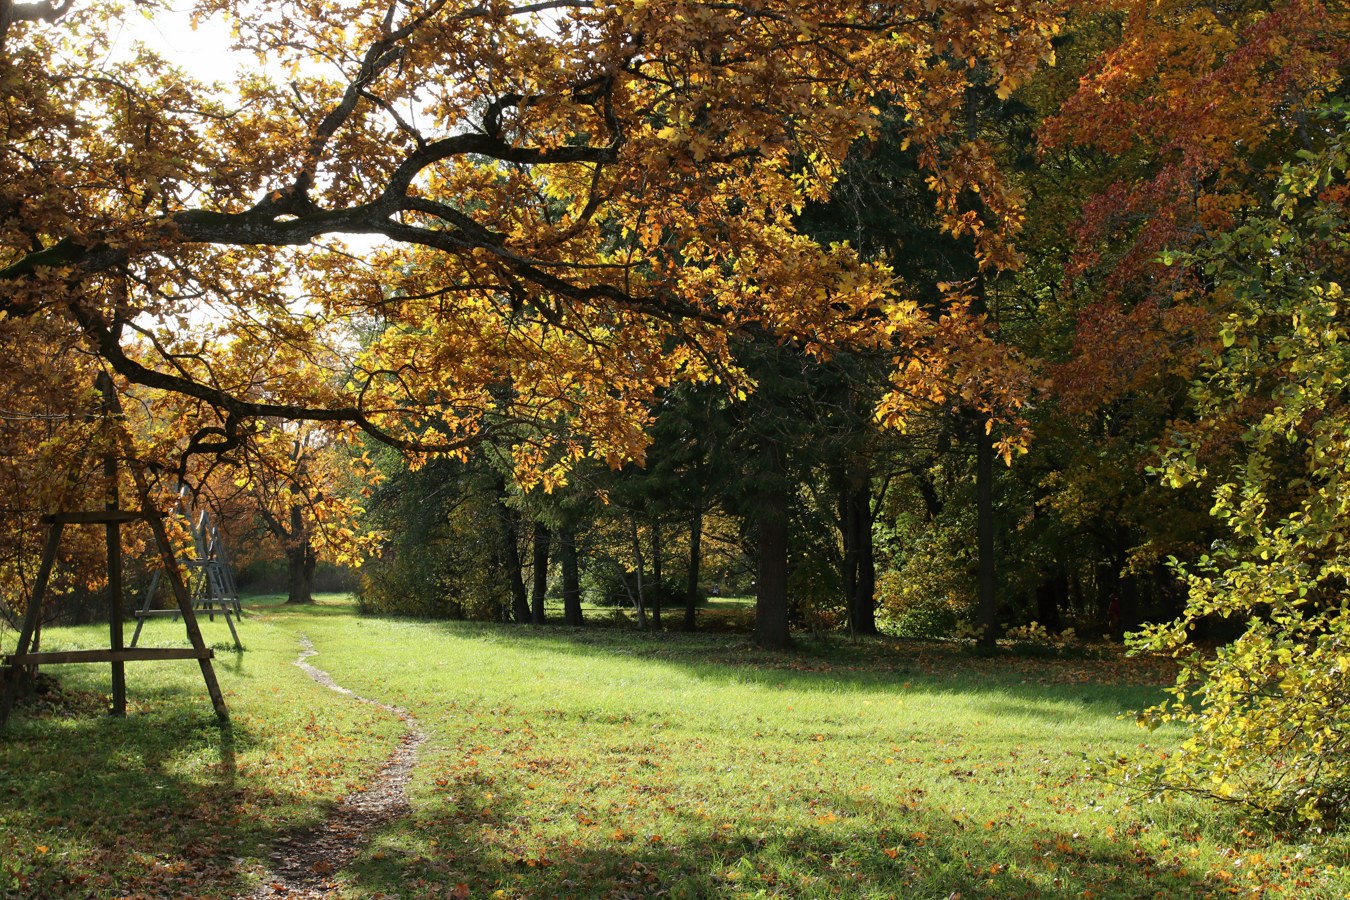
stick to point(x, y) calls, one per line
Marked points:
point(305, 862)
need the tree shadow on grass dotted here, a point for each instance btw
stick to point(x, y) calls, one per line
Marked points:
point(150, 805)
point(478, 841)
point(1032, 687)
point(98, 806)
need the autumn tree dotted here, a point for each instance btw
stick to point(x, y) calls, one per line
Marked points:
point(1270, 726)
point(307, 490)
point(162, 224)
point(1217, 244)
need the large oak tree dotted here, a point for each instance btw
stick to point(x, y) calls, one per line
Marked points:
point(582, 199)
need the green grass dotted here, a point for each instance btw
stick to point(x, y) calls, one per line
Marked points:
point(717, 614)
point(603, 762)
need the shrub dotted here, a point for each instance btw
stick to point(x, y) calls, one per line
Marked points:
point(1035, 639)
point(1267, 714)
point(916, 611)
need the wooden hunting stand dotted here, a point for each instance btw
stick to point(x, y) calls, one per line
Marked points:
point(26, 659)
point(212, 587)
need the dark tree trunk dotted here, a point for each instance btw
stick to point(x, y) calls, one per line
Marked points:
point(657, 582)
point(571, 576)
point(1129, 584)
point(1047, 603)
point(1108, 598)
point(520, 606)
point(984, 455)
point(1169, 593)
point(300, 565)
point(848, 524)
point(932, 503)
point(771, 599)
point(542, 538)
point(520, 603)
point(984, 512)
point(861, 575)
point(695, 557)
point(301, 561)
point(866, 597)
point(1076, 601)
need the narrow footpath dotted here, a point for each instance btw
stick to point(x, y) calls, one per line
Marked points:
point(305, 862)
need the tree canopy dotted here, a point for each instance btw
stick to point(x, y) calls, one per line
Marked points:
point(582, 201)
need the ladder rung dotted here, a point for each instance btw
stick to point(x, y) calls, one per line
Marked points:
point(134, 654)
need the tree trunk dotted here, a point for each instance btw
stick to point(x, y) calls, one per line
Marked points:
point(863, 613)
point(639, 601)
point(300, 565)
point(571, 576)
point(695, 554)
point(984, 512)
point(301, 560)
point(1108, 597)
point(657, 582)
point(848, 525)
point(1047, 603)
point(859, 556)
point(771, 598)
point(932, 503)
point(1129, 585)
point(520, 607)
point(984, 451)
point(542, 538)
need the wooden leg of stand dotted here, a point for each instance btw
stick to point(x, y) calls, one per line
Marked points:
point(194, 632)
point(31, 619)
point(225, 610)
point(119, 671)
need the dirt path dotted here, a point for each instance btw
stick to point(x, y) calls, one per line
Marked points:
point(305, 862)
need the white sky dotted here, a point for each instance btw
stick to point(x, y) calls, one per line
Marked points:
point(203, 52)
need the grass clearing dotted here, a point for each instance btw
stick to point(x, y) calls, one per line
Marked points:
point(603, 762)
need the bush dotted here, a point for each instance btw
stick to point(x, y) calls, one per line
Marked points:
point(910, 611)
point(815, 592)
point(602, 585)
point(931, 592)
point(1034, 639)
point(443, 558)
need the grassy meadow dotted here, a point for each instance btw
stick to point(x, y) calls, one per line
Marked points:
point(608, 763)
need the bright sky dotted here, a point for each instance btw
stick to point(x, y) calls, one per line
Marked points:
point(204, 51)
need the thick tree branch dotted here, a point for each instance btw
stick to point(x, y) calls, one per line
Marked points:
point(106, 336)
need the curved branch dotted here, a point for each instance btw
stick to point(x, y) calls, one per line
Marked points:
point(105, 337)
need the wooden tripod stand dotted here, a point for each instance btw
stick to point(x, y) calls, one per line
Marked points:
point(111, 518)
